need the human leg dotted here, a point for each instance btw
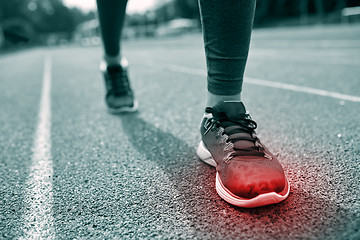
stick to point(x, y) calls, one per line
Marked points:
point(111, 14)
point(227, 29)
point(119, 95)
point(248, 175)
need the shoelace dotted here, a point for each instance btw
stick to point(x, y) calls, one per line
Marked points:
point(229, 127)
point(118, 81)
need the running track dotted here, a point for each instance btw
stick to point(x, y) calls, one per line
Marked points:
point(69, 170)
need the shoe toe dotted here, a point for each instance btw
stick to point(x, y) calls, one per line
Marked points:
point(119, 101)
point(248, 179)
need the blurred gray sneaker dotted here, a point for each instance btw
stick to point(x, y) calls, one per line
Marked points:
point(119, 96)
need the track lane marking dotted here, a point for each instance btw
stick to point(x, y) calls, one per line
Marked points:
point(38, 216)
point(296, 88)
point(261, 82)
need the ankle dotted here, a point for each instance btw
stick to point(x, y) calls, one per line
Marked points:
point(212, 99)
point(112, 60)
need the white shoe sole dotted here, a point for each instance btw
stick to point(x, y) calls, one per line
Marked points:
point(134, 108)
point(260, 200)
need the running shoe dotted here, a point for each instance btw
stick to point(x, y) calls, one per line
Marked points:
point(119, 96)
point(247, 173)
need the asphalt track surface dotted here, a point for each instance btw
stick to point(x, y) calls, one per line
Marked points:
point(69, 170)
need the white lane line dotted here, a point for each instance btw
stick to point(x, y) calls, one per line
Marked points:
point(38, 217)
point(260, 82)
point(297, 88)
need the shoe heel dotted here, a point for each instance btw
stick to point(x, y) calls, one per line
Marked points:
point(204, 155)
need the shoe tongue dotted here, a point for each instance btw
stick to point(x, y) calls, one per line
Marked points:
point(232, 109)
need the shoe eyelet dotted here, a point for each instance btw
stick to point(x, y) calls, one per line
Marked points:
point(268, 156)
point(220, 131)
point(224, 138)
point(228, 146)
point(228, 158)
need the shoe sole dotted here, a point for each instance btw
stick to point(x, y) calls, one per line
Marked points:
point(258, 201)
point(134, 108)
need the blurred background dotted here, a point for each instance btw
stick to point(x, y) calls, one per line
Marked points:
point(26, 23)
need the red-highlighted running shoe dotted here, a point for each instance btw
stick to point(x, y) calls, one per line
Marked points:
point(248, 175)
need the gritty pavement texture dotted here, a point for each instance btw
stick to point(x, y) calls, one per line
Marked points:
point(136, 176)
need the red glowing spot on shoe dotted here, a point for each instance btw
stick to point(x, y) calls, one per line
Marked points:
point(245, 185)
